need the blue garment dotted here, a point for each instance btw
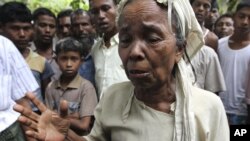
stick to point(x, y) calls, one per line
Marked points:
point(87, 69)
point(234, 119)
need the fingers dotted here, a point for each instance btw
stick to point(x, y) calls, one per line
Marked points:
point(37, 102)
point(34, 134)
point(63, 108)
point(26, 112)
point(25, 121)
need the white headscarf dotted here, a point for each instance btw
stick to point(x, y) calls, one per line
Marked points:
point(191, 30)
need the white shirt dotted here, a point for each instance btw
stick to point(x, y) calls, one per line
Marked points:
point(15, 80)
point(208, 70)
point(119, 116)
point(108, 65)
point(235, 66)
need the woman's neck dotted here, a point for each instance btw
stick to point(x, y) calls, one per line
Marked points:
point(159, 99)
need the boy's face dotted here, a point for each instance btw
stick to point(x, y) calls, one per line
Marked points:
point(201, 9)
point(69, 62)
point(242, 20)
point(19, 33)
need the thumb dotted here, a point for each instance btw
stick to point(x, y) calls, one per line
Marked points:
point(63, 108)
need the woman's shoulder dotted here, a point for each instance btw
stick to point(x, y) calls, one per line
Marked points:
point(119, 90)
point(206, 101)
point(118, 94)
point(199, 93)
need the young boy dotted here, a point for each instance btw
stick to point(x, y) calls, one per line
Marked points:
point(70, 86)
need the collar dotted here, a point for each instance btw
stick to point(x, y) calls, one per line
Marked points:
point(87, 57)
point(75, 83)
point(113, 41)
point(31, 54)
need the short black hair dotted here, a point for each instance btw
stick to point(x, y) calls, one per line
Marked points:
point(69, 44)
point(242, 4)
point(64, 13)
point(15, 11)
point(116, 2)
point(42, 11)
point(80, 12)
point(226, 15)
point(213, 2)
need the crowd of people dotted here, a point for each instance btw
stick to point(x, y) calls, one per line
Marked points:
point(124, 70)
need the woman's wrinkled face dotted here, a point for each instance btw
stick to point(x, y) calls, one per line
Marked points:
point(147, 47)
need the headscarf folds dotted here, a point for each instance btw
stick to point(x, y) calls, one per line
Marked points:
point(192, 32)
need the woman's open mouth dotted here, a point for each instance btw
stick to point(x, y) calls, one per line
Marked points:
point(138, 73)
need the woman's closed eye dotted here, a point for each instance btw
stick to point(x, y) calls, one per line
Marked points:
point(125, 39)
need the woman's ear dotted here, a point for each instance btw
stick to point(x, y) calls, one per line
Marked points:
point(180, 51)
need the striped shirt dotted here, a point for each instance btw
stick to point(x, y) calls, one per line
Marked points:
point(15, 80)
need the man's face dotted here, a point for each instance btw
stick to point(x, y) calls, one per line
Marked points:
point(242, 20)
point(81, 26)
point(213, 15)
point(69, 62)
point(201, 9)
point(104, 14)
point(45, 29)
point(19, 33)
point(64, 25)
point(224, 27)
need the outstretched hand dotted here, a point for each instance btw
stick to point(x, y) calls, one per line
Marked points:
point(48, 126)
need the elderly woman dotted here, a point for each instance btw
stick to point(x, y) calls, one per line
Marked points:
point(159, 104)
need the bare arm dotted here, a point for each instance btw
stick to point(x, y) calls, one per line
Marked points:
point(45, 83)
point(72, 136)
point(80, 126)
point(211, 40)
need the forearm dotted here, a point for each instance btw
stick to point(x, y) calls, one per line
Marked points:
point(81, 127)
point(72, 136)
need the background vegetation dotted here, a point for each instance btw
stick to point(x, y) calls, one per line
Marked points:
point(54, 5)
point(58, 5)
point(227, 5)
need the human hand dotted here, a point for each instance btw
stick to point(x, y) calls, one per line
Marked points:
point(48, 126)
point(74, 115)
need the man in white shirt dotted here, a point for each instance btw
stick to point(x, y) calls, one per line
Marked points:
point(16, 79)
point(108, 65)
point(234, 57)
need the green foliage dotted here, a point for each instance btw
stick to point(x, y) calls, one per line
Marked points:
point(54, 5)
point(227, 5)
point(76, 4)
